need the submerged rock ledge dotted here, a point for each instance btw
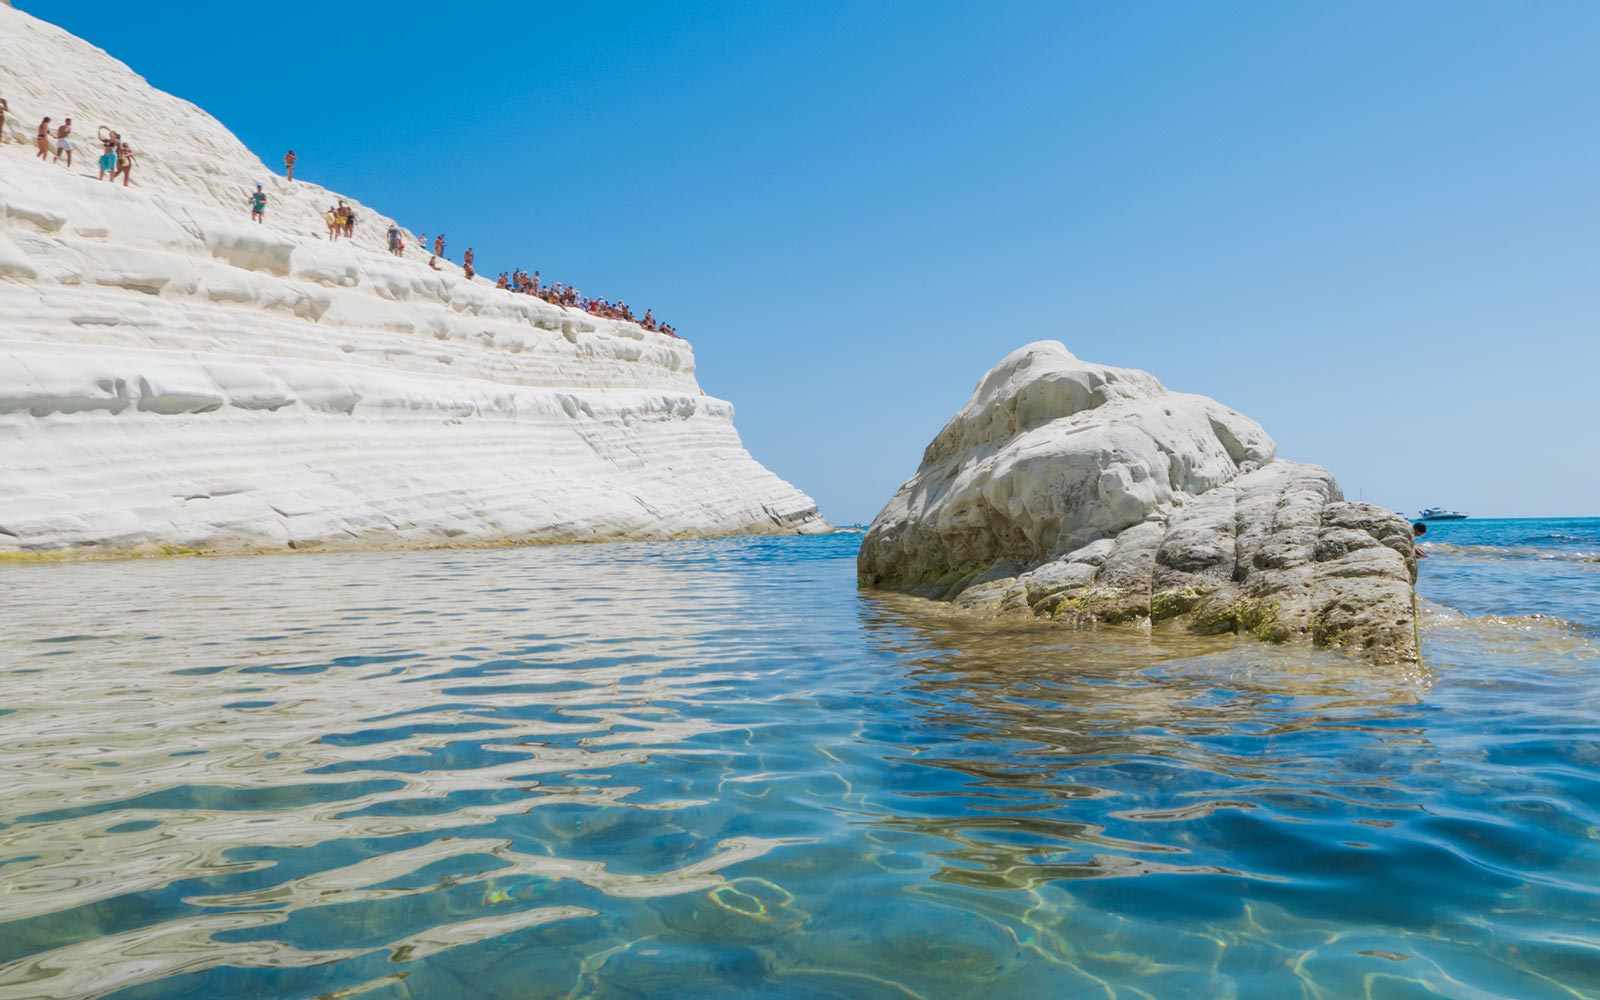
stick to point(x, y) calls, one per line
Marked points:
point(1089, 494)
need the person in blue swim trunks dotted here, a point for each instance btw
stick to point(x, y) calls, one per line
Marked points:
point(108, 153)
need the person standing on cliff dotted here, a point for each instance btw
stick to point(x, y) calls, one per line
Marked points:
point(108, 153)
point(466, 258)
point(42, 140)
point(438, 245)
point(394, 239)
point(3, 109)
point(64, 142)
point(258, 205)
point(288, 164)
point(124, 163)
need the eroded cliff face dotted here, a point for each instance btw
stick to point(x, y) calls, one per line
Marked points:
point(1090, 494)
point(172, 374)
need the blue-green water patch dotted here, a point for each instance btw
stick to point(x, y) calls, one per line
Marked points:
point(716, 769)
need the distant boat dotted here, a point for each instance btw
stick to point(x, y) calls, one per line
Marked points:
point(1440, 514)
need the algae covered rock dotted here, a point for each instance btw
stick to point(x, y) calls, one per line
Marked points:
point(1091, 494)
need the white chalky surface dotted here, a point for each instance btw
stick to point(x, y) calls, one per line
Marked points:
point(1092, 494)
point(173, 374)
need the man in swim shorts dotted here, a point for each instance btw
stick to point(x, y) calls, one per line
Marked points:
point(288, 163)
point(108, 153)
point(394, 239)
point(63, 142)
point(258, 205)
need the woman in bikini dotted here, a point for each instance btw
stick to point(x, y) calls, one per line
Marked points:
point(42, 140)
point(124, 163)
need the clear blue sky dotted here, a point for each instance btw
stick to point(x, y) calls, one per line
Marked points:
point(1371, 226)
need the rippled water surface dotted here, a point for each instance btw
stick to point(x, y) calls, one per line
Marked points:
point(715, 769)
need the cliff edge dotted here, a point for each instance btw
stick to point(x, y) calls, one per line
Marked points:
point(1090, 494)
point(173, 375)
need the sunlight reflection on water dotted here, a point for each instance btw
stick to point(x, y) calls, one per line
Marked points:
point(715, 769)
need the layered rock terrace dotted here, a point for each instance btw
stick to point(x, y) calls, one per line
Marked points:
point(173, 376)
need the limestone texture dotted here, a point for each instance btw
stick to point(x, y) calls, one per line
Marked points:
point(1089, 494)
point(176, 377)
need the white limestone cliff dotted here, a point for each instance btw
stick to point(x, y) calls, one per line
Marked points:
point(172, 374)
point(1090, 494)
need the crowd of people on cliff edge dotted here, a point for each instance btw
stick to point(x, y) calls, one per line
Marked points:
point(117, 160)
point(55, 141)
point(522, 283)
point(341, 222)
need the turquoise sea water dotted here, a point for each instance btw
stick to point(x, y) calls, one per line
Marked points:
point(716, 769)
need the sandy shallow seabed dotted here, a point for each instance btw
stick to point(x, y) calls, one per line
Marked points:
point(717, 768)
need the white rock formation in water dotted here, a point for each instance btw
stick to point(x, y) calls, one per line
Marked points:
point(1093, 494)
point(172, 374)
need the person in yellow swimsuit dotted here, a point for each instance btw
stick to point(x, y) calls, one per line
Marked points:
point(124, 164)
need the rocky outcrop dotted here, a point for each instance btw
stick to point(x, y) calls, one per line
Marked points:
point(1089, 494)
point(174, 376)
